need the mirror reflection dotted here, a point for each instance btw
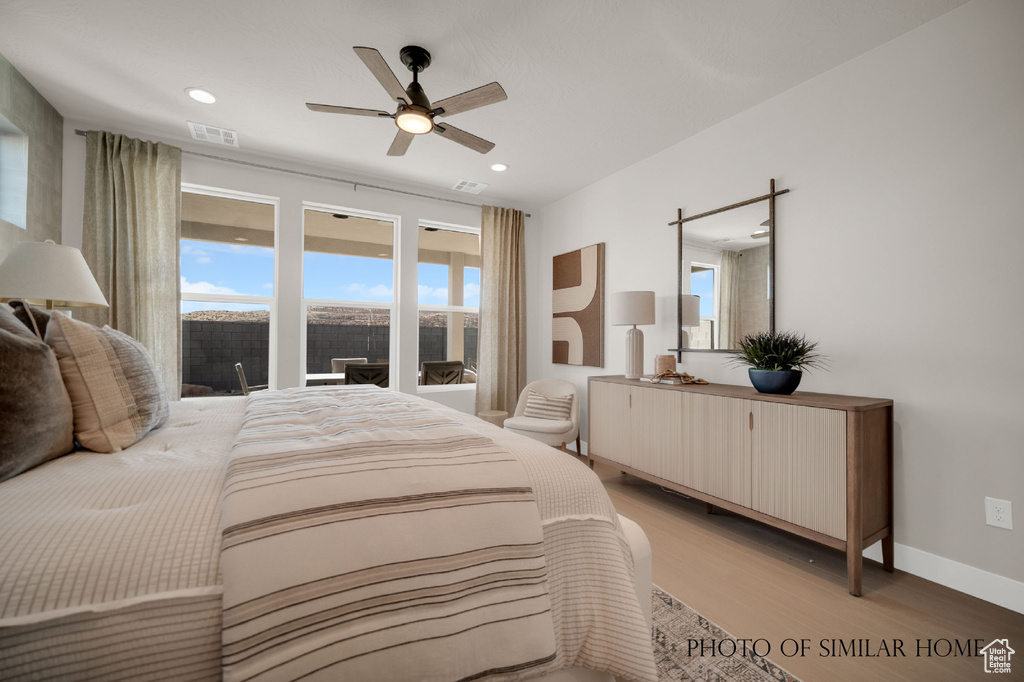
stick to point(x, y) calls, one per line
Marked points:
point(727, 261)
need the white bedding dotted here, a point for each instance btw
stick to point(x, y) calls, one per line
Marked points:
point(109, 566)
point(109, 563)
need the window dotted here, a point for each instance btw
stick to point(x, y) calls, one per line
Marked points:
point(227, 289)
point(347, 286)
point(13, 174)
point(449, 293)
point(703, 283)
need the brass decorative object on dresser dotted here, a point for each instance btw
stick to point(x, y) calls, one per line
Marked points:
point(813, 464)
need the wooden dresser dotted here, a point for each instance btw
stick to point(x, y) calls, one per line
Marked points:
point(813, 464)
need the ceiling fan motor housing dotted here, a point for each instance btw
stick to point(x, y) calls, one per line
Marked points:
point(417, 97)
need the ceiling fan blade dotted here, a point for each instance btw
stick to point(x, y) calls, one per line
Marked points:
point(383, 73)
point(401, 143)
point(475, 143)
point(471, 99)
point(331, 109)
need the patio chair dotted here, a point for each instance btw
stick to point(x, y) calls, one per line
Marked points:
point(246, 388)
point(441, 373)
point(367, 373)
point(338, 364)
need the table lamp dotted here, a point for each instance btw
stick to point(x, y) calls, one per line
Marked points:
point(633, 308)
point(45, 273)
point(689, 316)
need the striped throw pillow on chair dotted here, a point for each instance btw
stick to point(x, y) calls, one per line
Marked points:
point(544, 407)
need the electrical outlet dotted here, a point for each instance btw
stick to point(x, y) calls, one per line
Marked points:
point(999, 513)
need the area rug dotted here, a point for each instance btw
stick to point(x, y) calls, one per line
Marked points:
point(679, 635)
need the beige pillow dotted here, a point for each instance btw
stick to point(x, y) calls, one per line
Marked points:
point(543, 407)
point(35, 411)
point(115, 389)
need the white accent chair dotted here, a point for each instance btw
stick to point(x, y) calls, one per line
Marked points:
point(554, 432)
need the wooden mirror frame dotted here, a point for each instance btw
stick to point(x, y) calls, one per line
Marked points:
point(770, 198)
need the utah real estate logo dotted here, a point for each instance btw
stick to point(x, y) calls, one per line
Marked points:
point(997, 656)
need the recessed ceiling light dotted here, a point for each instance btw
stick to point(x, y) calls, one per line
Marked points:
point(499, 167)
point(200, 95)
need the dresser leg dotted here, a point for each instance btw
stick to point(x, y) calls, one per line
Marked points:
point(710, 507)
point(854, 567)
point(854, 511)
point(888, 560)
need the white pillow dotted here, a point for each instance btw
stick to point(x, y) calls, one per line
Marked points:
point(544, 407)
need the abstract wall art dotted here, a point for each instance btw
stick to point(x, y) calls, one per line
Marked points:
point(577, 327)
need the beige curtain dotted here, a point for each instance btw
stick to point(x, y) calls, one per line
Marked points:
point(502, 365)
point(729, 303)
point(130, 239)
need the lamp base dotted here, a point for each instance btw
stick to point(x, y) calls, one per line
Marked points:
point(634, 353)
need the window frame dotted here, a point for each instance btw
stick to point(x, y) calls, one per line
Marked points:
point(270, 301)
point(436, 308)
point(392, 306)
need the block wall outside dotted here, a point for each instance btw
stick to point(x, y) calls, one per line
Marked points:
point(209, 350)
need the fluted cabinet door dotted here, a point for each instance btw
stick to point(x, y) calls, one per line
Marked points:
point(798, 464)
point(611, 422)
point(715, 446)
point(657, 431)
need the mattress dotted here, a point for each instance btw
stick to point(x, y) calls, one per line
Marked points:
point(110, 562)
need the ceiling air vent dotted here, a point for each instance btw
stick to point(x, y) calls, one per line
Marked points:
point(469, 186)
point(205, 133)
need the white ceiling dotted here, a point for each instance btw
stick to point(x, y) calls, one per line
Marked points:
point(593, 85)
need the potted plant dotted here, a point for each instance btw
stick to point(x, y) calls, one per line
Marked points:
point(776, 360)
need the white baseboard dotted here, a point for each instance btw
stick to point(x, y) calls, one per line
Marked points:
point(976, 582)
point(997, 589)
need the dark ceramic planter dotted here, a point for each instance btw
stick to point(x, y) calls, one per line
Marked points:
point(779, 382)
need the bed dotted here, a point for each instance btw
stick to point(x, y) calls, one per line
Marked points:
point(159, 562)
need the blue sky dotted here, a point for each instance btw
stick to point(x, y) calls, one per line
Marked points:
point(703, 284)
point(208, 267)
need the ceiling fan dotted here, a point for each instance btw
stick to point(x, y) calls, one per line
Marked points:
point(415, 114)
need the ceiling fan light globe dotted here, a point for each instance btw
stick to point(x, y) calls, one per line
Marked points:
point(415, 122)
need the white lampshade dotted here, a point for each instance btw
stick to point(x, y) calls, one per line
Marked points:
point(632, 307)
point(689, 313)
point(48, 273)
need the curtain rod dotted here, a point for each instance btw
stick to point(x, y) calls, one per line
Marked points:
point(323, 177)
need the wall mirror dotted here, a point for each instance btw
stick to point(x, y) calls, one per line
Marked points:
point(727, 258)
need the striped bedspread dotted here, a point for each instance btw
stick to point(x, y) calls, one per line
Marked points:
point(110, 565)
point(367, 536)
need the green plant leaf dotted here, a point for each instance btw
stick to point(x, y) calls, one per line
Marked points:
point(778, 351)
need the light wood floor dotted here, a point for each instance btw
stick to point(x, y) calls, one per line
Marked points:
point(757, 582)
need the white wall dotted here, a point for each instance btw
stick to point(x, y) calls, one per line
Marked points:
point(903, 229)
point(293, 190)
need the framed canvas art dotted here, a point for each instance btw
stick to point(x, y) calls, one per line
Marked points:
point(577, 327)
